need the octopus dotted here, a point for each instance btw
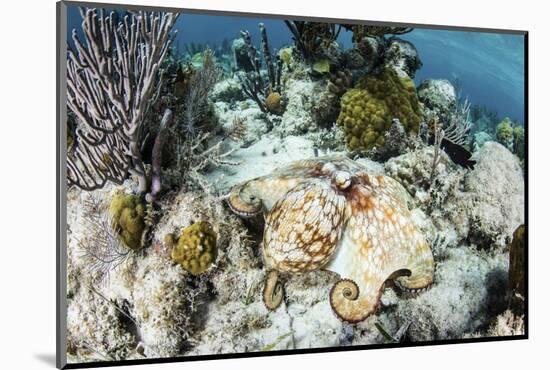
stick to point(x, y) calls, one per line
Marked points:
point(329, 213)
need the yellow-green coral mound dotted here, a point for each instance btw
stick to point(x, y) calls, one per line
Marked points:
point(366, 111)
point(505, 133)
point(129, 219)
point(195, 249)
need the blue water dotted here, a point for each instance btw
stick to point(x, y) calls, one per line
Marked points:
point(490, 66)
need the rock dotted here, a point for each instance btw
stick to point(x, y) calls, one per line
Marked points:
point(469, 291)
point(249, 113)
point(372, 50)
point(516, 276)
point(298, 118)
point(506, 324)
point(483, 124)
point(480, 138)
point(403, 57)
point(495, 196)
point(227, 90)
point(397, 141)
point(447, 221)
point(484, 205)
point(95, 324)
point(438, 95)
point(353, 59)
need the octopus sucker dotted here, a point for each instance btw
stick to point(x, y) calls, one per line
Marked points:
point(412, 291)
point(329, 213)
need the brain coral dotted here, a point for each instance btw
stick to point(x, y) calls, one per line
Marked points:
point(195, 249)
point(368, 109)
point(129, 218)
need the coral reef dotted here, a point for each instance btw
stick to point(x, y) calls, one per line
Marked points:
point(340, 82)
point(241, 57)
point(307, 205)
point(448, 118)
point(458, 126)
point(273, 103)
point(368, 109)
point(466, 205)
point(129, 219)
point(305, 197)
point(195, 249)
point(100, 333)
point(361, 31)
point(468, 293)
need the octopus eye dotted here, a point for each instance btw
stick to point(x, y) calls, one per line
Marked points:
point(342, 180)
point(328, 168)
point(244, 204)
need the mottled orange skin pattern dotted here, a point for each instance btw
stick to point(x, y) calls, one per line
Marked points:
point(329, 213)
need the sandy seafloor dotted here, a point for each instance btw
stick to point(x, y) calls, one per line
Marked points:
point(150, 307)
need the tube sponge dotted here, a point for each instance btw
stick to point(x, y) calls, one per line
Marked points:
point(366, 111)
point(128, 214)
point(195, 249)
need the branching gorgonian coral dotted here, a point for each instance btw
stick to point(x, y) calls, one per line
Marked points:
point(458, 127)
point(112, 79)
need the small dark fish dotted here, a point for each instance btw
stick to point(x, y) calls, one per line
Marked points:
point(458, 154)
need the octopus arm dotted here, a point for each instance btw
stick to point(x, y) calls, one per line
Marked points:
point(357, 294)
point(380, 242)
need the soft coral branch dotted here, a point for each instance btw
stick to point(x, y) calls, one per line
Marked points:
point(111, 80)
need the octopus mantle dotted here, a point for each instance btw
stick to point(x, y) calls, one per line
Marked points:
point(328, 213)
